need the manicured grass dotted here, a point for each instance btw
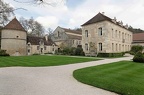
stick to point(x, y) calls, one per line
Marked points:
point(38, 60)
point(124, 77)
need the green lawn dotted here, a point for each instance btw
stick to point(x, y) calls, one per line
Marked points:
point(124, 77)
point(39, 60)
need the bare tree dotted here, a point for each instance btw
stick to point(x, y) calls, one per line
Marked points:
point(33, 27)
point(49, 31)
point(5, 13)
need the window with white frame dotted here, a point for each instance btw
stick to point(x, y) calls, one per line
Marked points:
point(86, 33)
point(86, 47)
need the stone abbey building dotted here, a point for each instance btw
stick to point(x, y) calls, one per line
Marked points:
point(102, 34)
point(14, 39)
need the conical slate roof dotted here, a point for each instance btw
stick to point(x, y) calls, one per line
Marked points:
point(14, 24)
point(99, 17)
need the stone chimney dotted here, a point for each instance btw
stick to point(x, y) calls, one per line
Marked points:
point(103, 13)
point(114, 20)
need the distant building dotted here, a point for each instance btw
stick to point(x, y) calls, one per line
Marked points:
point(40, 45)
point(138, 39)
point(102, 34)
point(14, 39)
point(66, 37)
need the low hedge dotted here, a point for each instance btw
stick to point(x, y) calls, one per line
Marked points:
point(111, 54)
point(3, 53)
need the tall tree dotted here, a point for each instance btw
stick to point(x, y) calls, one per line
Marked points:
point(49, 31)
point(6, 12)
point(33, 27)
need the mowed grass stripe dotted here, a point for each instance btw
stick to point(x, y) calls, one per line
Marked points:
point(124, 77)
point(39, 60)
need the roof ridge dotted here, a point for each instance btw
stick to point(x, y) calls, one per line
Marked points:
point(97, 18)
point(14, 24)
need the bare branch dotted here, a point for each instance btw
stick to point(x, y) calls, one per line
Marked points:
point(40, 2)
point(11, 10)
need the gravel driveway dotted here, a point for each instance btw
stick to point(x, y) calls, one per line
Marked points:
point(55, 80)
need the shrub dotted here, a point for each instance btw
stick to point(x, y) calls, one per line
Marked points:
point(136, 48)
point(66, 51)
point(138, 57)
point(3, 53)
point(79, 51)
point(72, 51)
point(111, 54)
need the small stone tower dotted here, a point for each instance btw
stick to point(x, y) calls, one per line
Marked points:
point(13, 39)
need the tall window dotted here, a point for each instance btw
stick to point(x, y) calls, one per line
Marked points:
point(112, 46)
point(86, 33)
point(86, 47)
point(119, 34)
point(119, 47)
point(116, 33)
point(73, 41)
point(100, 46)
point(116, 47)
point(53, 48)
point(28, 50)
point(58, 33)
point(100, 31)
point(112, 33)
point(37, 47)
point(122, 35)
point(45, 48)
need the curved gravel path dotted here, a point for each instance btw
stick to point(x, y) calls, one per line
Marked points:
point(55, 80)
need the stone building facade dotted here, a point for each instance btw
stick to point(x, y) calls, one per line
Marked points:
point(40, 45)
point(102, 34)
point(66, 38)
point(14, 39)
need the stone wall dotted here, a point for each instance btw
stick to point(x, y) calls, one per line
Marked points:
point(14, 42)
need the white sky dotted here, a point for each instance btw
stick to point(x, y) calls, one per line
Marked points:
point(74, 13)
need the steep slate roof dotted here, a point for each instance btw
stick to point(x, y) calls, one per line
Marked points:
point(35, 40)
point(138, 37)
point(14, 24)
point(72, 31)
point(99, 17)
point(71, 36)
point(75, 37)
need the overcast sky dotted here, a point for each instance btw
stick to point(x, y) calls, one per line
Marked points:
point(73, 13)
